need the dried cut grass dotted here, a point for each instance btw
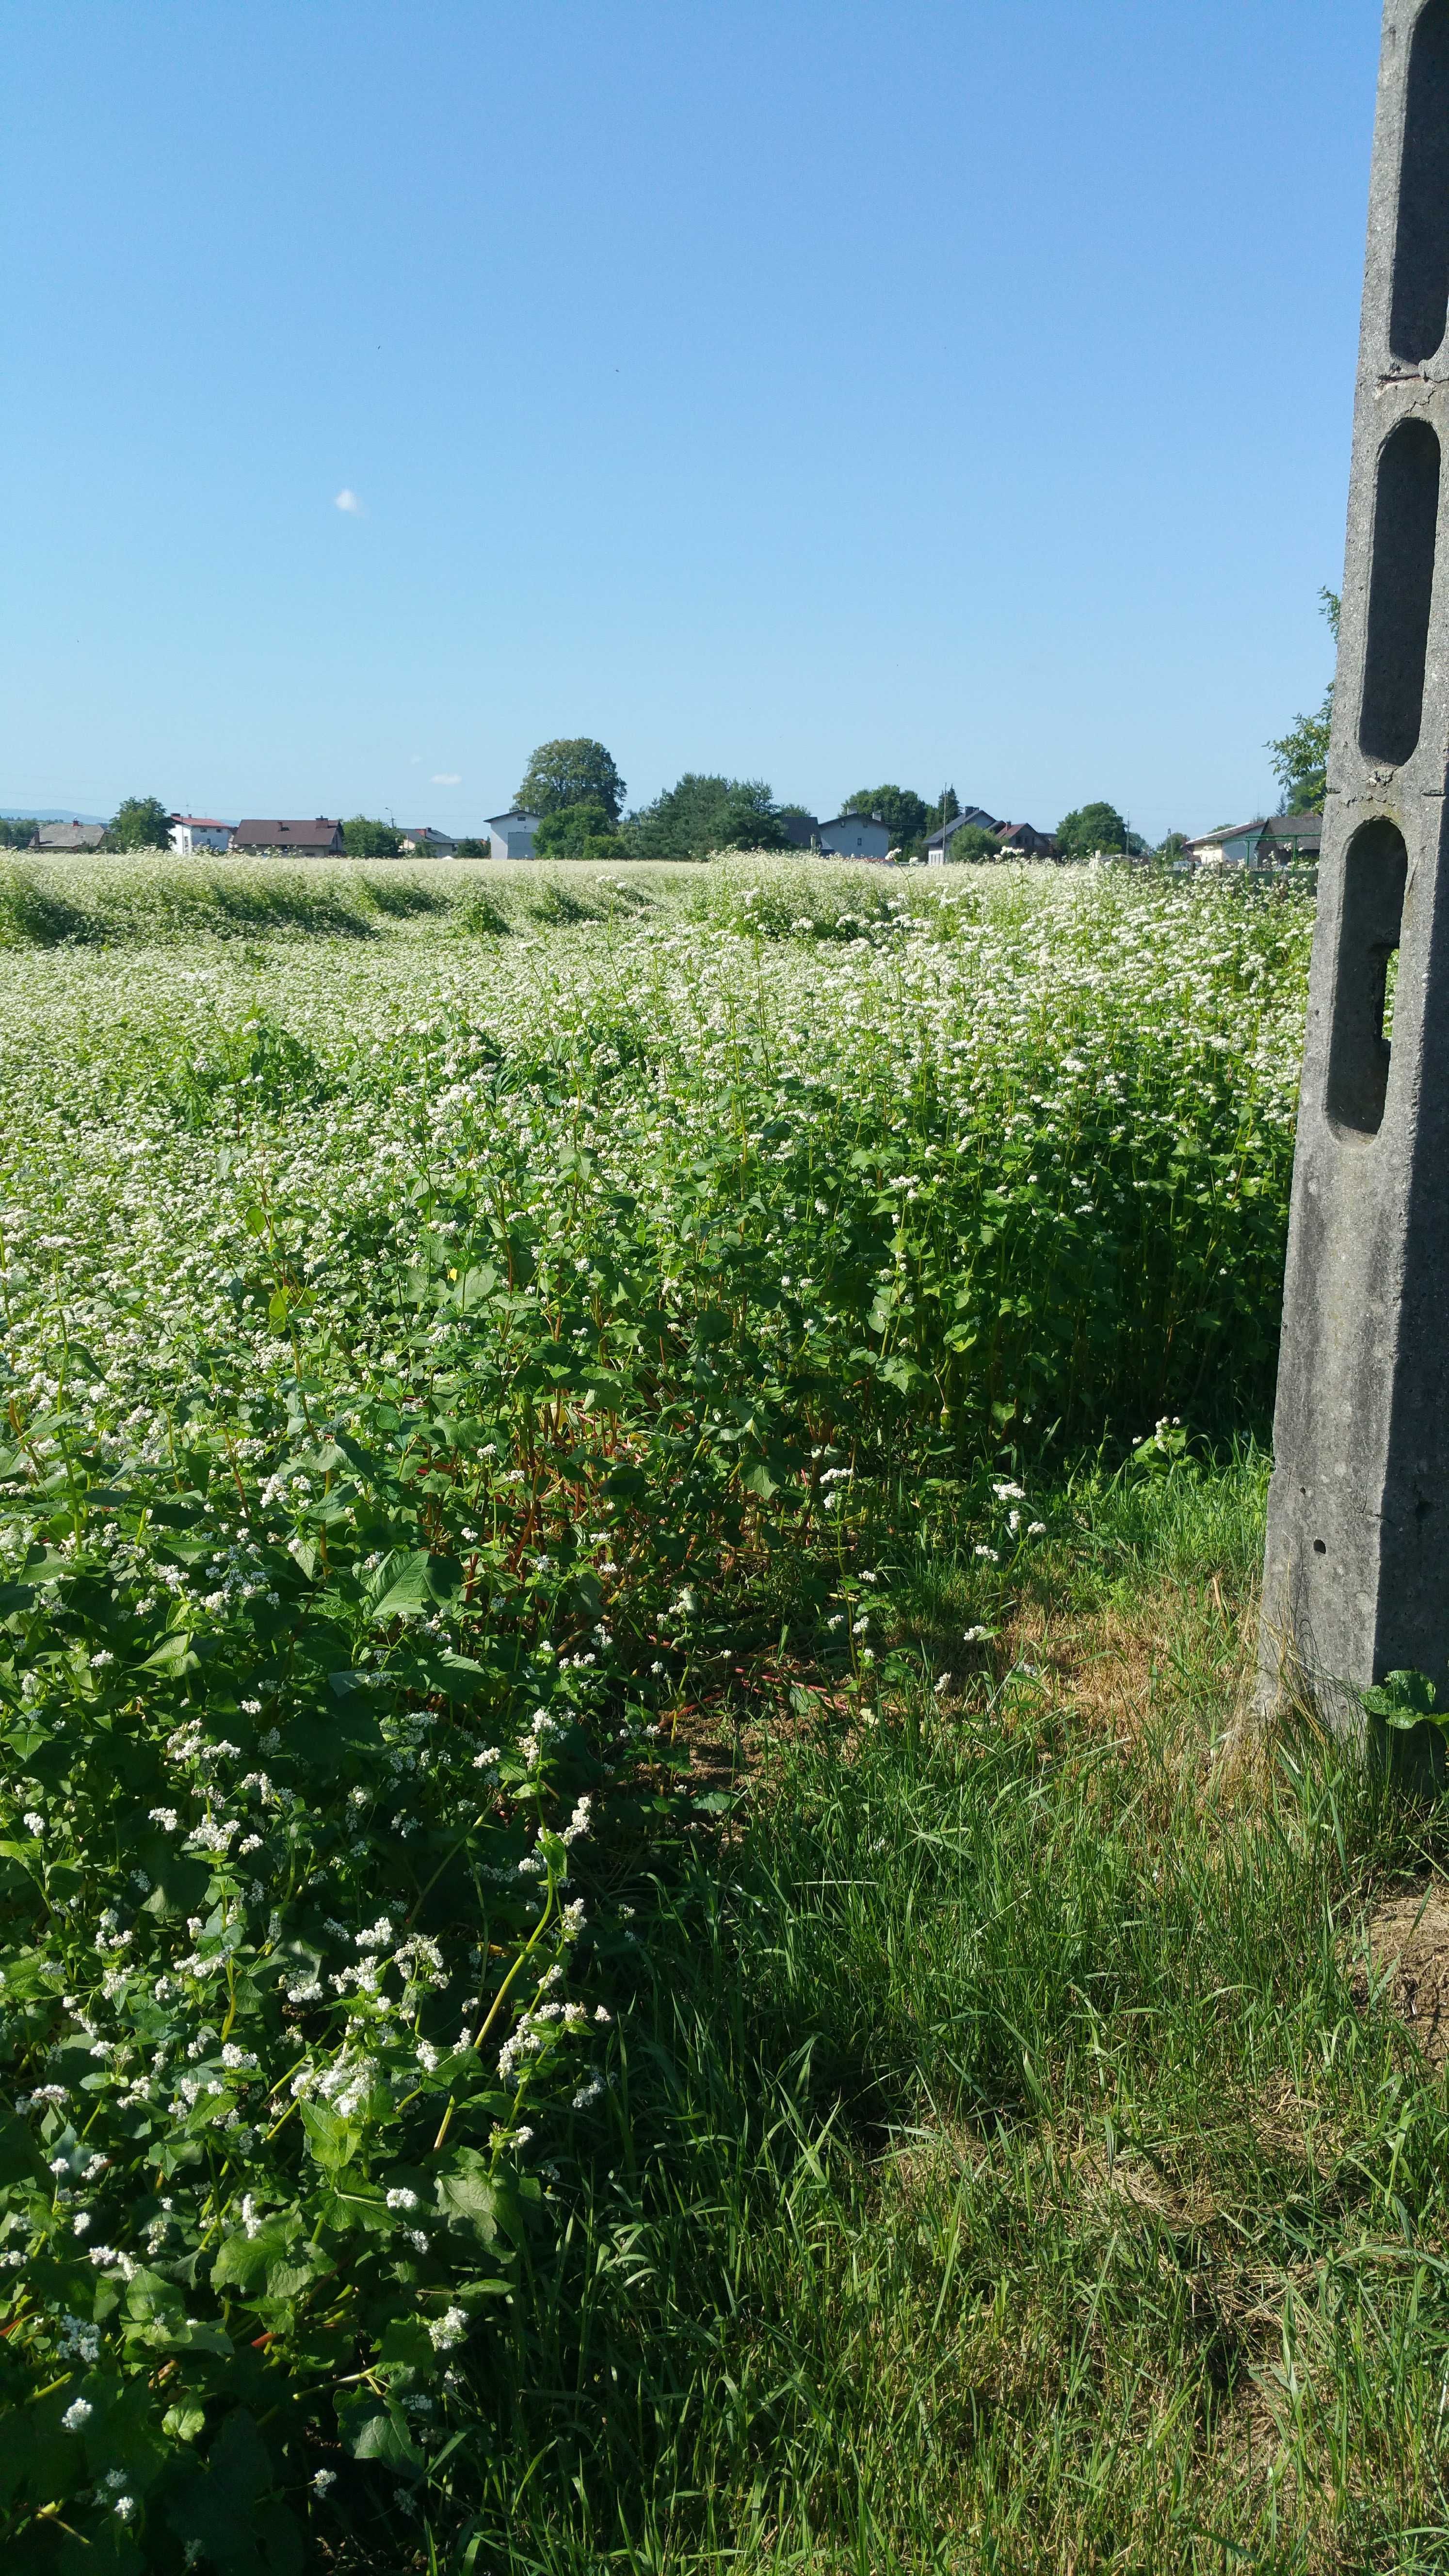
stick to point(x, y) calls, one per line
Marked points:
point(1405, 1964)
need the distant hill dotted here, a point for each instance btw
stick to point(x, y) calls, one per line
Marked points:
point(48, 814)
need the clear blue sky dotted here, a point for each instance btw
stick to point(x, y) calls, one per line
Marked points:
point(887, 390)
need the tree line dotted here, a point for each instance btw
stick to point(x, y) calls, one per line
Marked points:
point(574, 787)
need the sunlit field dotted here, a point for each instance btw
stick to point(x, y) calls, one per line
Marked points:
point(545, 1411)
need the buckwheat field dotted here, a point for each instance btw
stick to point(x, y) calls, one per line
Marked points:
point(464, 1328)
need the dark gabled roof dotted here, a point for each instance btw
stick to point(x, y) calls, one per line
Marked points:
point(837, 819)
point(515, 814)
point(974, 814)
point(1295, 827)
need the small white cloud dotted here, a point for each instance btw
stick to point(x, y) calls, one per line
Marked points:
point(349, 502)
point(447, 778)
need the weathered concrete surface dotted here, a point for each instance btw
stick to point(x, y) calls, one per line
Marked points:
point(1356, 1575)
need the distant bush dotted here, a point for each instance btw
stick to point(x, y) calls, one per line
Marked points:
point(580, 832)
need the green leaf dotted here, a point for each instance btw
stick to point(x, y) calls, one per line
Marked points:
point(1404, 1700)
point(333, 2141)
point(384, 2437)
point(467, 2192)
point(243, 2261)
point(407, 2341)
point(398, 1588)
point(173, 1656)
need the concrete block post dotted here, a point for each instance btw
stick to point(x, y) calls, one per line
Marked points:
point(1356, 1575)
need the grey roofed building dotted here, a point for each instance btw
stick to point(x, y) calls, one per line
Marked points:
point(431, 844)
point(974, 817)
point(1270, 840)
point(1291, 836)
point(69, 836)
point(855, 836)
point(320, 835)
point(511, 835)
point(803, 829)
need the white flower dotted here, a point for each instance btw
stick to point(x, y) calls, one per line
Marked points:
point(990, 1553)
point(450, 2328)
point(76, 2417)
point(33, 1824)
point(166, 1817)
point(324, 2479)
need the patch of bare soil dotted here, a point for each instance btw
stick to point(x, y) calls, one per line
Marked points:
point(1407, 1956)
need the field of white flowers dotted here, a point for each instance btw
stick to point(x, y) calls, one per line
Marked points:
point(451, 1321)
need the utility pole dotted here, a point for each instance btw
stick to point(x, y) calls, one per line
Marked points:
point(1356, 1574)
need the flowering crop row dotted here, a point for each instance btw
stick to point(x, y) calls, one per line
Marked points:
point(413, 1351)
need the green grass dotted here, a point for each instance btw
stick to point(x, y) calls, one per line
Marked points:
point(1006, 2171)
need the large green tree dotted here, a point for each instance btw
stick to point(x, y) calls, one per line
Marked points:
point(579, 832)
point(140, 823)
point(704, 813)
point(364, 837)
point(573, 772)
point(906, 816)
point(1300, 757)
point(1089, 828)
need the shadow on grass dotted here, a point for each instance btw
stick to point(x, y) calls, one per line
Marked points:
point(996, 2143)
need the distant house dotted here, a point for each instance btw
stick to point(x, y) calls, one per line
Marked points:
point(191, 832)
point(855, 836)
point(1024, 841)
point(69, 836)
point(511, 835)
point(270, 840)
point(802, 830)
point(938, 847)
point(427, 843)
point(1270, 841)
